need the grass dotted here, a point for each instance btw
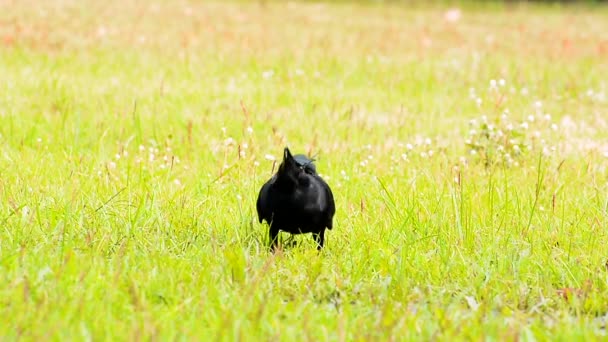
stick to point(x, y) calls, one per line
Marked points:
point(135, 136)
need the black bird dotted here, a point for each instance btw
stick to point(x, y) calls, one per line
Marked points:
point(296, 200)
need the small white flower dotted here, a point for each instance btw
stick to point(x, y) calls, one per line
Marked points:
point(473, 152)
point(524, 91)
point(538, 105)
point(25, 211)
point(404, 156)
point(492, 84)
point(111, 165)
point(547, 117)
point(409, 147)
point(177, 182)
point(229, 141)
point(142, 148)
point(270, 157)
point(531, 118)
point(249, 130)
point(39, 140)
point(239, 197)
point(256, 163)
point(427, 141)
point(502, 82)
point(245, 146)
point(479, 101)
point(524, 125)
point(117, 156)
point(267, 74)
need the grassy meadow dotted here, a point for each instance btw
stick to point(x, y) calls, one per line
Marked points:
point(466, 146)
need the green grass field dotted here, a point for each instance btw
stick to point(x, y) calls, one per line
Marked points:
point(467, 151)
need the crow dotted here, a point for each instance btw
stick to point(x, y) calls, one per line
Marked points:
point(296, 200)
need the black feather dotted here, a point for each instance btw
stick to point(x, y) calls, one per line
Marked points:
point(305, 163)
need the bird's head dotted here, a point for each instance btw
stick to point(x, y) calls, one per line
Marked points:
point(289, 168)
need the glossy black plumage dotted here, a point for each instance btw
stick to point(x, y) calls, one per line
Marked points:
point(305, 163)
point(296, 200)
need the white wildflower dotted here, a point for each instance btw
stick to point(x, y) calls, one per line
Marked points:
point(267, 74)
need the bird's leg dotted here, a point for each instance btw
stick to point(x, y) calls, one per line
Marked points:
point(319, 238)
point(274, 237)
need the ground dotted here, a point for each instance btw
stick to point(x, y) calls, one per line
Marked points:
point(466, 147)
